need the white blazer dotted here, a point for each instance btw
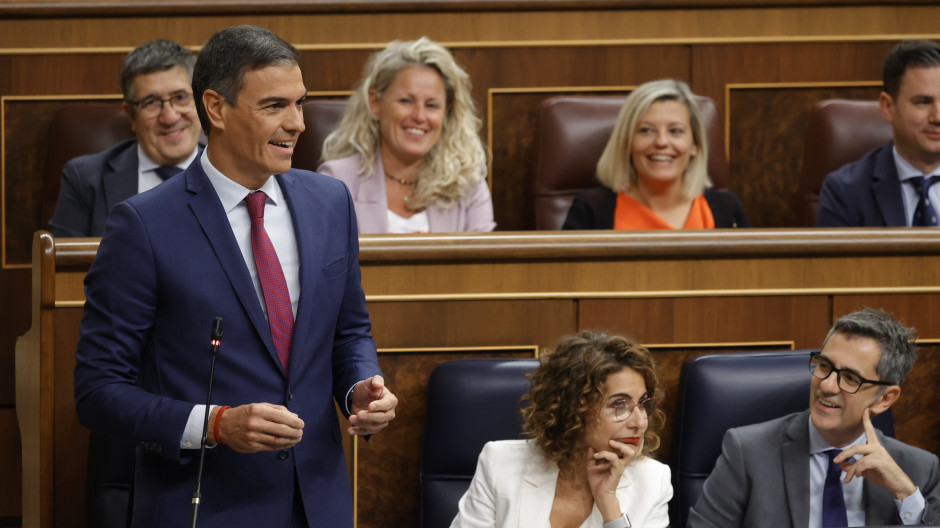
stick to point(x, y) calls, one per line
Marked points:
point(514, 487)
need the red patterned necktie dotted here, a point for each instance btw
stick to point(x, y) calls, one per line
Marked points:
point(273, 285)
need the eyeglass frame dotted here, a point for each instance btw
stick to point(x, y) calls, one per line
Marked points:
point(838, 371)
point(635, 405)
point(165, 100)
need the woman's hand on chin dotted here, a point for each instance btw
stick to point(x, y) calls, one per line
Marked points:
point(604, 469)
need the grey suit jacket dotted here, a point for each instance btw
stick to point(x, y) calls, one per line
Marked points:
point(91, 186)
point(762, 479)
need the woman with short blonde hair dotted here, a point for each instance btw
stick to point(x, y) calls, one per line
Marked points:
point(655, 169)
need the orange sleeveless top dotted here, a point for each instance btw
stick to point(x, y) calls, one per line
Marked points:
point(630, 214)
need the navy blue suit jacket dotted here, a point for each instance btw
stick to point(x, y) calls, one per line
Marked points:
point(864, 193)
point(167, 265)
point(91, 186)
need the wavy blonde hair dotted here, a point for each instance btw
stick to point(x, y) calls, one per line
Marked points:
point(566, 390)
point(615, 167)
point(455, 163)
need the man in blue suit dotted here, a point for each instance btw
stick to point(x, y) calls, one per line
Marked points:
point(195, 248)
point(883, 189)
point(158, 102)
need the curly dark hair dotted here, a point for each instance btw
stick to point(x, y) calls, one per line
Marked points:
point(569, 384)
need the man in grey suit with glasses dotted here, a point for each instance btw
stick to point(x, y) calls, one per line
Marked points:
point(828, 466)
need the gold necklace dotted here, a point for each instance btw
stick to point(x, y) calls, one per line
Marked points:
point(407, 183)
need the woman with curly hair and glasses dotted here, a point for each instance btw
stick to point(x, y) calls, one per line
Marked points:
point(592, 417)
point(408, 146)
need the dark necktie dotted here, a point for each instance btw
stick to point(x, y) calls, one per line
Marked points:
point(273, 285)
point(924, 214)
point(833, 505)
point(165, 172)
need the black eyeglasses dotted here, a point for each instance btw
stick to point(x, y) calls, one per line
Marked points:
point(151, 106)
point(847, 380)
point(623, 407)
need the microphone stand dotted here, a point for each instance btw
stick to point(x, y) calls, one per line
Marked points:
point(215, 342)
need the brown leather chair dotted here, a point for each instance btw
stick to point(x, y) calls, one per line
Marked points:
point(571, 135)
point(839, 132)
point(320, 117)
point(77, 129)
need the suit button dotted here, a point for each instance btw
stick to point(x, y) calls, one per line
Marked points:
point(283, 455)
point(290, 395)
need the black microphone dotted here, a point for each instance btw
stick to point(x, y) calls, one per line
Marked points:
point(215, 341)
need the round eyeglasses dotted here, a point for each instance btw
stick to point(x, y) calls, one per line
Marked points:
point(847, 380)
point(151, 106)
point(623, 407)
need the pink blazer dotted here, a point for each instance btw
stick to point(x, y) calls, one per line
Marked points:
point(473, 213)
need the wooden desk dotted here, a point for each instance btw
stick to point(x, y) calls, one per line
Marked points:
point(434, 298)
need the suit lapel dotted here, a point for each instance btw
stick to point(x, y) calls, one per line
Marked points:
point(887, 188)
point(371, 193)
point(310, 249)
point(794, 455)
point(537, 493)
point(207, 208)
point(120, 181)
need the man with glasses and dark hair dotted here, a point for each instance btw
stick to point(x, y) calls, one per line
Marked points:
point(828, 466)
point(158, 100)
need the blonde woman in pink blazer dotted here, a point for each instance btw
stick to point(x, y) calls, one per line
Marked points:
point(408, 146)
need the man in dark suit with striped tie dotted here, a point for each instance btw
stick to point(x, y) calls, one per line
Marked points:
point(158, 100)
point(893, 185)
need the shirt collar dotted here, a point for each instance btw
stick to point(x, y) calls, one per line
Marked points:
point(906, 171)
point(145, 164)
point(817, 444)
point(232, 193)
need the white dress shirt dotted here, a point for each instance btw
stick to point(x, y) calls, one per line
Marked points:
point(147, 177)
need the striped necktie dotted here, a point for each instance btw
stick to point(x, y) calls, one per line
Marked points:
point(273, 284)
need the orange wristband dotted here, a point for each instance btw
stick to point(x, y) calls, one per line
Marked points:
point(218, 424)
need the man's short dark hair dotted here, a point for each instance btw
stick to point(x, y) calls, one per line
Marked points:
point(897, 341)
point(228, 55)
point(908, 54)
point(154, 56)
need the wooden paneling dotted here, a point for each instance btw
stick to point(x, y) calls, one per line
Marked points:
point(802, 320)
point(10, 475)
point(471, 323)
point(71, 439)
point(387, 465)
point(916, 420)
point(766, 137)
point(515, 56)
point(759, 22)
point(919, 311)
